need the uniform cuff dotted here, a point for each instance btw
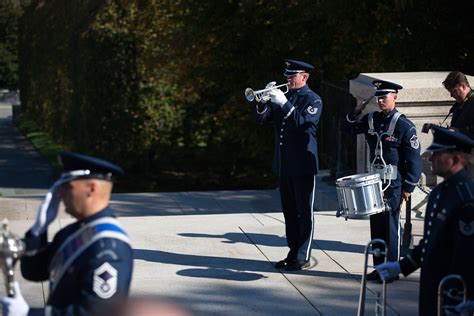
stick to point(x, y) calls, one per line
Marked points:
point(351, 117)
point(261, 108)
point(408, 265)
point(408, 187)
point(35, 243)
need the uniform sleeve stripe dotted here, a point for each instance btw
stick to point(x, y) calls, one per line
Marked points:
point(412, 183)
point(408, 256)
point(291, 110)
point(349, 120)
point(264, 110)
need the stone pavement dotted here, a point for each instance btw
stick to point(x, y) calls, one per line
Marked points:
point(213, 251)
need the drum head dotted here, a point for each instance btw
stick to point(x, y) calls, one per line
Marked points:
point(358, 179)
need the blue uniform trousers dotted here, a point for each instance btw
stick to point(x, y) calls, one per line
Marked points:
point(386, 226)
point(297, 200)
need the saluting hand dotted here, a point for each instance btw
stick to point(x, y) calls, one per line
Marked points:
point(361, 104)
point(48, 210)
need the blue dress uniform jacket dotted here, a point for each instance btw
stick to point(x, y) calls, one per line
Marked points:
point(401, 149)
point(296, 162)
point(296, 146)
point(97, 277)
point(447, 246)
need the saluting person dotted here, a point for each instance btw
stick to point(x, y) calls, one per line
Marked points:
point(395, 155)
point(88, 263)
point(447, 246)
point(295, 118)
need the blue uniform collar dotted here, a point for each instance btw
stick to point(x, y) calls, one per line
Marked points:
point(303, 89)
point(106, 212)
point(389, 115)
point(458, 177)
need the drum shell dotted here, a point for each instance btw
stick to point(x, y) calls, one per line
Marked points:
point(360, 195)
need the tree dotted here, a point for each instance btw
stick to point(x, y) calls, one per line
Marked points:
point(10, 11)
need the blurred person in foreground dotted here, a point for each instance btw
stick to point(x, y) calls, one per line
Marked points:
point(149, 306)
point(89, 262)
point(447, 246)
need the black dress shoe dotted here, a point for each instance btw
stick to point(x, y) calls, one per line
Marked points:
point(373, 276)
point(297, 265)
point(284, 263)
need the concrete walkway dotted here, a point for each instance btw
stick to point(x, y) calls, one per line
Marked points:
point(213, 251)
point(22, 170)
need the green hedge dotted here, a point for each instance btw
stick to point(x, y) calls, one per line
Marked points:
point(157, 86)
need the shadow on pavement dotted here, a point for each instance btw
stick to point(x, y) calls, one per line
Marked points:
point(224, 267)
point(277, 241)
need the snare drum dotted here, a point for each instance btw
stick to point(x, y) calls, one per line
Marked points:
point(360, 195)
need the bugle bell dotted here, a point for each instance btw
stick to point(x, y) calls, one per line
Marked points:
point(451, 287)
point(381, 302)
point(262, 95)
point(11, 249)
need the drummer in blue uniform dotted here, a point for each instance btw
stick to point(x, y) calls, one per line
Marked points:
point(89, 262)
point(395, 155)
point(295, 118)
point(447, 246)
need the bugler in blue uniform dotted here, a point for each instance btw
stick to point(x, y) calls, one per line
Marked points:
point(295, 119)
point(447, 246)
point(88, 263)
point(392, 141)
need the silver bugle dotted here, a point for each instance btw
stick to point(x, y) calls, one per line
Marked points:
point(262, 94)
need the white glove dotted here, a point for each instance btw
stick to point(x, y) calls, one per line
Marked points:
point(465, 309)
point(270, 84)
point(15, 306)
point(48, 209)
point(388, 270)
point(266, 97)
point(361, 104)
point(278, 97)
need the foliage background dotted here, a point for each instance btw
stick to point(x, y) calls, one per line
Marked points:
point(157, 86)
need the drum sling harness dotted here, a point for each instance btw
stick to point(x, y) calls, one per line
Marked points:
point(387, 172)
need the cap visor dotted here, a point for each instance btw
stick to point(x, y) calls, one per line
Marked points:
point(439, 147)
point(383, 93)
